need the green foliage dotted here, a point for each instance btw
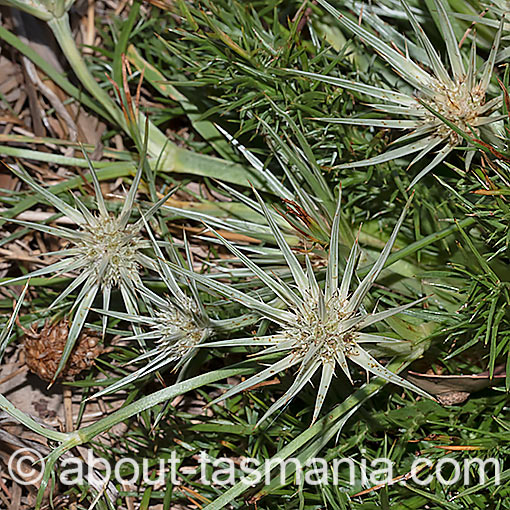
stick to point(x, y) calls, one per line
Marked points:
point(272, 94)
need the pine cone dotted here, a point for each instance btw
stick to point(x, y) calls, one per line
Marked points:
point(43, 350)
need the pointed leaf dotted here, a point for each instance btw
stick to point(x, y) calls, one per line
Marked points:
point(370, 364)
point(76, 326)
point(328, 370)
point(271, 371)
point(292, 261)
point(363, 288)
point(451, 41)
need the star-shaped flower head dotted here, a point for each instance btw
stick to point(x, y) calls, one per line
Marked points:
point(104, 252)
point(177, 323)
point(434, 97)
point(316, 329)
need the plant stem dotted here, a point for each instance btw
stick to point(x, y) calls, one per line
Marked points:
point(26, 420)
point(321, 427)
point(86, 434)
point(62, 31)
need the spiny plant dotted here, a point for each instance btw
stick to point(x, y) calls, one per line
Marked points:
point(309, 202)
point(253, 44)
point(483, 315)
point(439, 105)
point(104, 253)
point(177, 323)
point(318, 329)
point(174, 325)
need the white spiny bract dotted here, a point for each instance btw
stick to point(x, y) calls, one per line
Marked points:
point(110, 250)
point(177, 327)
point(104, 252)
point(456, 95)
point(316, 329)
point(177, 330)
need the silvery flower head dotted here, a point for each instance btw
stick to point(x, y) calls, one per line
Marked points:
point(432, 99)
point(316, 329)
point(104, 252)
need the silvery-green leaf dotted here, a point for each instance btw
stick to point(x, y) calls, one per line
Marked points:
point(97, 187)
point(79, 318)
point(279, 290)
point(363, 288)
point(301, 379)
point(492, 104)
point(385, 314)
point(433, 142)
point(470, 78)
point(292, 261)
point(342, 361)
point(413, 73)
point(349, 271)
point(280, 316)
point(382, 123)
point(332, 270)
point(314, 289)
point(79, 280)
point(370, 364)
point(272, 182)
point(416, 111)
point(64, 232)
point(165, 272)
point(294, 156)
point(147, 215)
point(59, 268)
point(451, 42)
point(107, 293)
point(285, 363)
point(440, 156)
point(489, 64)
point(7, 328)
point(377, 92)
point(328, 370)
point(153, 366)
point(89, 217)
point(127, 208)
point(434, 59)
point(373, 338)
point(406, 150)
point(58, 203)
point(255, 341)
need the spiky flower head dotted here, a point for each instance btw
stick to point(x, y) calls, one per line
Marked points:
point(179, 328)
point(173, 330)
point(110, 250)
point(104, 252)
point(316, 329)
point(176, 324)
point(436, 99)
